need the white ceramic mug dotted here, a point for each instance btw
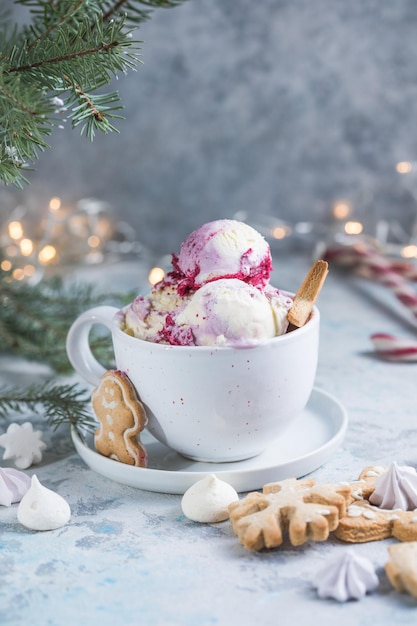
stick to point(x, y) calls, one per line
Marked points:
point(208, 403)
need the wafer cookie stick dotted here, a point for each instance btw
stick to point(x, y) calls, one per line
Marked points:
point(307, 294)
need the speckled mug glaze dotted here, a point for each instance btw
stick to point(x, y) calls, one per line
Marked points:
point(208, 403)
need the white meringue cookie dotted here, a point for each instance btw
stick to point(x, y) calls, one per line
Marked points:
point(346, 576)
point(208, 499)
point(42, 509)
point(13, 485)
point(396, 488)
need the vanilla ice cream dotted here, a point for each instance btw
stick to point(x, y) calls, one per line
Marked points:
point(224, 249)
point(225, 312)
point(146, 316)
point(218, 293)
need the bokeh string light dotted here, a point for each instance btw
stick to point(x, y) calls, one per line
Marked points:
point(346, 219)
point(35, 242)
point(38, 242)
point(366, 232)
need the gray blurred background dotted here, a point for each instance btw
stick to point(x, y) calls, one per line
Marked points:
point(275, 107)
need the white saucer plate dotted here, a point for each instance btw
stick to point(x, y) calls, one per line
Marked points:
point(306, 445)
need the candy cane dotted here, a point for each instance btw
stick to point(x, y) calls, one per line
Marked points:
point(380, 268)
point(391, 273)
point(394, 349)
point(408, 270)
point(348, 256)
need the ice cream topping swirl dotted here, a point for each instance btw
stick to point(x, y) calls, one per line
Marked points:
point(396, 488)
point(347, 576)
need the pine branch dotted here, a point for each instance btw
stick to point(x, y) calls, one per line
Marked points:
point(92, 113)
point(52, 70)
point(59, 404)
point(60, 19)
point(135, 13)
point(11, 167)
point(34, 321)
point(25, 113)
point(105, 44)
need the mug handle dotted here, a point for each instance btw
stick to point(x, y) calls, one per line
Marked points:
point(78, 346)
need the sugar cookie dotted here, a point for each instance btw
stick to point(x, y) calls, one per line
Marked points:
point(304, 509)
point(401, 568)
point(367, 522)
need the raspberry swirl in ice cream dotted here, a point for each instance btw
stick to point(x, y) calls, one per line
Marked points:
point(223, 249)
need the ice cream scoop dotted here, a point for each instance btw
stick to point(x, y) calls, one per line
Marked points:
point(145, 316)
point(224, 249)
point(218, 293)
point(225, 312)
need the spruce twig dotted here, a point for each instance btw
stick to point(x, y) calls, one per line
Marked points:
point(59, 404)
point(34, 321)
point(53, 69)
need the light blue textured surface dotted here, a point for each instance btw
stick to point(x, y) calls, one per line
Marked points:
point(130, 557)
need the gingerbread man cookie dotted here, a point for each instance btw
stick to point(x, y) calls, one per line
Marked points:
point(122, 417)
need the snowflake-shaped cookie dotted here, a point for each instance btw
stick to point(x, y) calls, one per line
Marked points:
point(23, 444)
point(304, 509)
